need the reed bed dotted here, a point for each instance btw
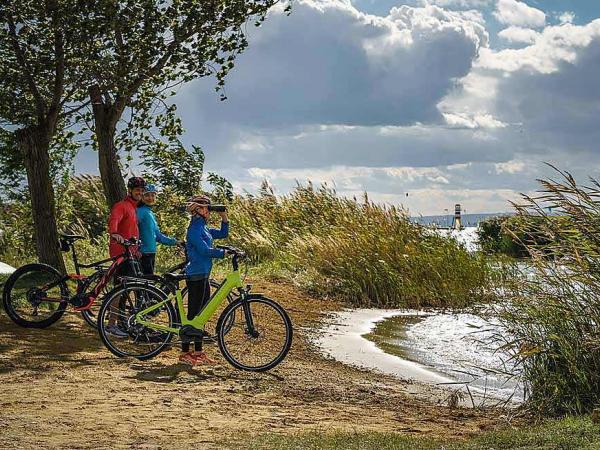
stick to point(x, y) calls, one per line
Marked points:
point(358, 251)
point(350, 249)
point(552, 325)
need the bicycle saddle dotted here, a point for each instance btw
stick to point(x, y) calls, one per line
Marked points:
point(71, 237)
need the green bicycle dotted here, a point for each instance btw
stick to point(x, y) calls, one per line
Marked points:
point(254, 333)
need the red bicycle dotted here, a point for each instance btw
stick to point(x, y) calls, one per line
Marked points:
point(36, 295)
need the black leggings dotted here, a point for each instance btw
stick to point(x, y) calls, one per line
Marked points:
point(147, 263)
point(198, 296)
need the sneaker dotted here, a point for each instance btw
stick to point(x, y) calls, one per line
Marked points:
point(187, 358)
point(202, 358)
point(115, 331)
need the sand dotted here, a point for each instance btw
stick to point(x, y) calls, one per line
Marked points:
point(62, 389)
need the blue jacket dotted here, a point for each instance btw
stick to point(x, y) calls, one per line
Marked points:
point(199, 244)
point(149, 232)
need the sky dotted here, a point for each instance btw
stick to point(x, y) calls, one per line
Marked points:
point(424, 103)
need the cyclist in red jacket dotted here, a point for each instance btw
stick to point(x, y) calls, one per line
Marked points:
point(123, 225)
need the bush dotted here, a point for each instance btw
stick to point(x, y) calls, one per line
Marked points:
point(494, 238)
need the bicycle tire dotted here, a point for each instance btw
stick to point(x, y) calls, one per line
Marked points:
point(117, 295)
point(9, 295)
point(226, 349)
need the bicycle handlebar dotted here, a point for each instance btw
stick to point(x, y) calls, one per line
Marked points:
point(234, 250)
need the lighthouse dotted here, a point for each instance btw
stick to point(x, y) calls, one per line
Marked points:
point(456, 222)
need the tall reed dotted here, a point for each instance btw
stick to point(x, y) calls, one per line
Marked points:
point(552, 325)
point(358, 251)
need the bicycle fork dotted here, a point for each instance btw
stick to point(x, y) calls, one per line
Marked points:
point(252, 332)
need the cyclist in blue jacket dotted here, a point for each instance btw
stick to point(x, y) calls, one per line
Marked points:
point(150, 233)
point(200, 251)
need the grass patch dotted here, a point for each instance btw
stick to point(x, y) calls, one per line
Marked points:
point(566, 434)
point(366, 254)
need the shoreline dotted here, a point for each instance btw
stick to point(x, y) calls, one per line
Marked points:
point(342, 338)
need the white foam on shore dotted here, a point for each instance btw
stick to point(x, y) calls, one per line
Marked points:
point(6, 269)
point(342, 339)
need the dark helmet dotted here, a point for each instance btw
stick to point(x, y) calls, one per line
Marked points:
point(136, 182)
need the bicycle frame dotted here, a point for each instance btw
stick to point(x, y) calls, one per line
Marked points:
point(232, 281)
point(116, 261)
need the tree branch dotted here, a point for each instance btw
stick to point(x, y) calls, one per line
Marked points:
point(59, 54)
point(39, 101)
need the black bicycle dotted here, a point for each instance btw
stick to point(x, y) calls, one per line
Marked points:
point(37, 295)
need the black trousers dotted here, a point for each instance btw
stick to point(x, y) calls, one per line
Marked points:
point(198, 296)
point(147, 263)
point(126, 269)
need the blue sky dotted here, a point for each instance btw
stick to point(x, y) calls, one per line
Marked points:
point(450, 101)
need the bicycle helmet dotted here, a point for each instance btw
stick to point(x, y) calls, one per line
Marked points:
point(198, 200)
point(150, 188)
point(136, 182)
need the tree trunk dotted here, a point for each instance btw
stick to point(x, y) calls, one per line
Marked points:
point(108, 160)
point(34, 146)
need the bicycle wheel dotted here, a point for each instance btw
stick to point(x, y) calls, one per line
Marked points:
point(25, 291)
point(118, 328)
point(260, 337)
point(211, 326)
point(91, 315)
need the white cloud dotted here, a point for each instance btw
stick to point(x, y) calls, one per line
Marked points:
point(566, 17)
point(461, 4)
point(511, 167)
point(462, 120)
point(519, 35)
point(554, 46)
point(513, 12)
point(395, 104)
point(331, 64)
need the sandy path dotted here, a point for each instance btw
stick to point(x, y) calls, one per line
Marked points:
point(62, 389)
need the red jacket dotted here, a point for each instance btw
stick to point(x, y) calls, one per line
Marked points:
point(123, 221)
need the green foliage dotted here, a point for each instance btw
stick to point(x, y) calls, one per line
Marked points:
point(494, 238)
point(82, 207)
point(139, 52)
point(566, 434)
point(175, 167)
point(552, 324)
point(16, 233)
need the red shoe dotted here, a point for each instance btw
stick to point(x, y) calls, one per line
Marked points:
point(202, 358)
point(188, 358)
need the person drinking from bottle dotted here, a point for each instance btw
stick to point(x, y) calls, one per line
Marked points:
point(200, 250)
point(150, 233)
point(122, 226)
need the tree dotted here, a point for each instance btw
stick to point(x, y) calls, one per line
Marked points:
point(38, 79)
point(143, 48)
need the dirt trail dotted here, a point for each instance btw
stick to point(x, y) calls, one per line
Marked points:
point(62, 389)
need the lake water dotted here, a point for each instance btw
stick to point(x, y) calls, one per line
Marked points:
point(457, 346)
